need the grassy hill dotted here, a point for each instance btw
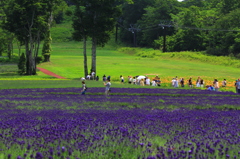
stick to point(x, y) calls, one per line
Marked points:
point(115, 60)
point(67, 61)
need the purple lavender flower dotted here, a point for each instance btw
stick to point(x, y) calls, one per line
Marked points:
point(38, 156)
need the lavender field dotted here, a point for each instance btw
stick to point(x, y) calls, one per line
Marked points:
point(128, 124)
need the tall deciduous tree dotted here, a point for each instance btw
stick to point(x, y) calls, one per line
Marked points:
point(28, 26)
point(95, 19)
point(80, 25)
point(6, 38)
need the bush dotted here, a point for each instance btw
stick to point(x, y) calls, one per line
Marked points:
point(238, 56)
point(215, 51)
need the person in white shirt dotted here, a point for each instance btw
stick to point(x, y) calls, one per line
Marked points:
point(173, 82)
point(93, 75)
point(153, 83)
point(147, 81)
point(88, 77)
point(176, 83)
point(216, 85)
point(130, 79)
point(121, 79)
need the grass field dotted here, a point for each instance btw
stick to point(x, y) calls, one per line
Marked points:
point(67, 61)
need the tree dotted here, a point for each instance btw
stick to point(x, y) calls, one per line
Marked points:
point(188, 37)
point(6, 39)
point(46, 50)
point(29, 26)
point(80, 25)
point(22, 64)
point(95, 19)
point(54, 7)
point(131, 13)
point(161, 10)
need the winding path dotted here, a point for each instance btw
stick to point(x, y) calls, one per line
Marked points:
point(50, 73)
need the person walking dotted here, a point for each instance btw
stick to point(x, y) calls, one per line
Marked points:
point(224, 83)
point(84, 88)
point(142, 82)
point(176, 83)
point(182, 82)
point(122, 79)
point(147, 81)
point(93, 75)
point(104, 78)
point(238, 86)
point(97, 78)
point(201, 83)
point(107, 88)
point(216, 85)
point(173, 82)
point(235, 84)
point(129, 79)
point(198, 82)
point(190, 82)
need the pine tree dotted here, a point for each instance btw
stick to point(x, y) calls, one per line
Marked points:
point(22, 65)
point(46, 50)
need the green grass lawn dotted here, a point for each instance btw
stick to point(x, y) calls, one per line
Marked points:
point(67, 61)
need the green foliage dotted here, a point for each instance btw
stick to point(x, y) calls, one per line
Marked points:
point(46, 50)
point(131, 13)
point(61, 33)
point(22, 64)
point(190, 56)
point(150, 33)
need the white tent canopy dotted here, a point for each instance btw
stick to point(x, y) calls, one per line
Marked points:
point(141, 77)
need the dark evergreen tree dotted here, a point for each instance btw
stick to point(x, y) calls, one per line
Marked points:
point(22, 64)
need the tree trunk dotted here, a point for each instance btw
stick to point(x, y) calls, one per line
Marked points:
point(19, 49)
point(37, 44)
point(9, 51)
point(85, 56)
point(94, 47)
point(27, 57)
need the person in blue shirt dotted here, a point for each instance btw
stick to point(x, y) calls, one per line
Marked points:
point(107, 88)
point(84, 88)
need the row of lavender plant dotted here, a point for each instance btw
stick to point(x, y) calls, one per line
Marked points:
point(152, 98)
point(135, 133)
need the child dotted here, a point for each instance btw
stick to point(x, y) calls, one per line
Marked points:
point(108, 85)
point(84, 88)
point(224, 83)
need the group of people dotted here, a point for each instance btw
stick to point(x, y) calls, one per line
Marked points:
point(107, 85)
point(156, 81)
point(91, 76)
point(199, 83)
point(142, 80)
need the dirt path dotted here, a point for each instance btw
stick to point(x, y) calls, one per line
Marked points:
point(50, 73)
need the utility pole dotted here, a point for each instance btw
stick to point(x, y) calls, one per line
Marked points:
point(165, 24)
point(134, 29)
point(119, 21)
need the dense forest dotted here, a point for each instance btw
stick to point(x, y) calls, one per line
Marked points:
point(170, 25)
